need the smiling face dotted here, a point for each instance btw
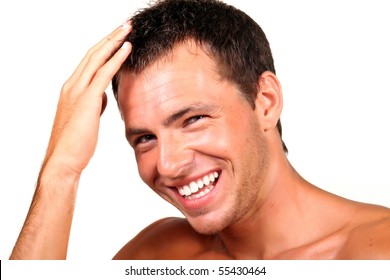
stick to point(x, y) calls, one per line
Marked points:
point(198, 142)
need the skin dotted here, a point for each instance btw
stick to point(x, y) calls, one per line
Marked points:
point(45, 233)
point(260, 208)
point(184, 122)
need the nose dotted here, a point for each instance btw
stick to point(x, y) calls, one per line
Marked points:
point(174, 157)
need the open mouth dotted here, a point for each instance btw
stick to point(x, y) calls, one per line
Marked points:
point(199, 188)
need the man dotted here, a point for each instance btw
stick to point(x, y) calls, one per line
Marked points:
point(197, 90)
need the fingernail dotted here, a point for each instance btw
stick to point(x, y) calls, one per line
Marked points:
point(125, 45)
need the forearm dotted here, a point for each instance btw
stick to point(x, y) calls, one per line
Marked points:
point(45, 233)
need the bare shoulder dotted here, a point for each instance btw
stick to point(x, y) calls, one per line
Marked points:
point(169, 238)
point(369, 237)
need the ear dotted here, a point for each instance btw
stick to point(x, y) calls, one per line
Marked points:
point(269, 100)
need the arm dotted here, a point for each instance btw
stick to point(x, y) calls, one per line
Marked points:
point(45, 233)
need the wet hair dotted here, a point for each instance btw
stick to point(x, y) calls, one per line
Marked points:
point(235, 41)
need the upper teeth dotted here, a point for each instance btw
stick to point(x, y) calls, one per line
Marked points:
point(195, 186)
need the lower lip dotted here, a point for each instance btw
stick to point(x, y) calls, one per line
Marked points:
point(201, 202)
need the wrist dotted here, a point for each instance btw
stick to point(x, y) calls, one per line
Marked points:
point(54, 173)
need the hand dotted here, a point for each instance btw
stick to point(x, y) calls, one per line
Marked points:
point(45, 233)
point(82, 101)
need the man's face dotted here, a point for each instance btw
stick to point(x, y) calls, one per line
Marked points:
point(197, 141)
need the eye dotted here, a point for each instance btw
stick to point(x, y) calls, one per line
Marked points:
point(144, 139)
point(194, 119)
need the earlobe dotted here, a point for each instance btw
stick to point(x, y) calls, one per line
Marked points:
point(269, 100)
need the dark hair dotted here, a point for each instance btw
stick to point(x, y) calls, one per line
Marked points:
point(236, 42)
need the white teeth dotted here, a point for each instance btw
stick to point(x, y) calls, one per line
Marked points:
point(206, 180)
point(187, 190)
point(202, 193)
point(195, 186)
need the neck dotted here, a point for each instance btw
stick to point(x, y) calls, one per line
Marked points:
point(277, 222)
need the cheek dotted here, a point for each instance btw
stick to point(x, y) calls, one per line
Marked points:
point(226, 137)
point(220, 141)
point(147, 167)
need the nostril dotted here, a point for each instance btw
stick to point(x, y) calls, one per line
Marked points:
point(174, 159)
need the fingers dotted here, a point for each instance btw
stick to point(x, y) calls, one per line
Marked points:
point(97, 56)
point(104, 75)
point(83, 100)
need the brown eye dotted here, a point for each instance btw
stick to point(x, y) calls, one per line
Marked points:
point(145, 138)
point(194, 119)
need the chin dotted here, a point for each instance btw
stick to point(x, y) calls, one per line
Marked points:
point(209, 225)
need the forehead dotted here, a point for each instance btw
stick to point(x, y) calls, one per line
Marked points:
point(187, 70)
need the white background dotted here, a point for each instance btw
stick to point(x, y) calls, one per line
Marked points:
point(332, 58)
